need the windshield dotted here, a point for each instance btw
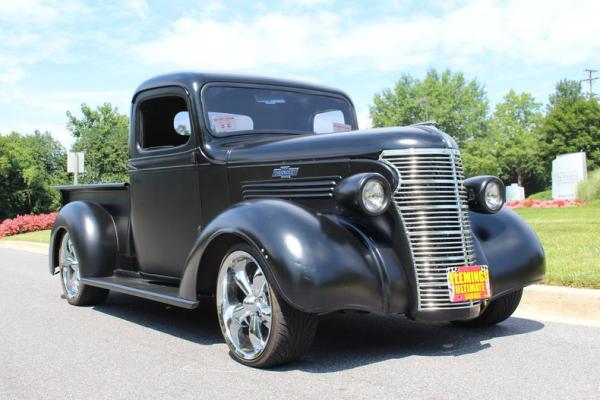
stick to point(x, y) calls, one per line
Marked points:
point(235, 110)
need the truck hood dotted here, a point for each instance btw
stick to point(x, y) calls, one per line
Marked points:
point(364, 143)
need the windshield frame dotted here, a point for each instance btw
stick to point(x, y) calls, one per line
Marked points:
point(242, 85)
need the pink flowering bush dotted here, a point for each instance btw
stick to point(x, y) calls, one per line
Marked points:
point(531, 203)
point(27, 223)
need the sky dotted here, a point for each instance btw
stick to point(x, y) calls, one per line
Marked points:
point(56, 55)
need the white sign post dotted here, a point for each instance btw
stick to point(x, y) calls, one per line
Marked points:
point(75, 165)
point(567, 171)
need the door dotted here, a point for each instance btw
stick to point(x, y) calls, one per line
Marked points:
point(165, 194)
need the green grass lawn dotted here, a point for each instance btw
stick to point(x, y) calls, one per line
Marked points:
point(38, 237)
point(571, 240)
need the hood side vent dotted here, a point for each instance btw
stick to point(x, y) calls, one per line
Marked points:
point(321, 187)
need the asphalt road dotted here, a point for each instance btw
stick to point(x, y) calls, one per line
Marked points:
point(132, 348)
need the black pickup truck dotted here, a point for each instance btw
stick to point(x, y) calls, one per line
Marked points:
point(264, 195)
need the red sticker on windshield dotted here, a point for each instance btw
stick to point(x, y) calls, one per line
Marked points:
point(224, 123)
point(338, 127)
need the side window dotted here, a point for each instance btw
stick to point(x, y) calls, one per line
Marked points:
point(330, 121)
point(165, 122)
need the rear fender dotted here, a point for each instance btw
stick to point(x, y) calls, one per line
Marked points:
point(93, 232)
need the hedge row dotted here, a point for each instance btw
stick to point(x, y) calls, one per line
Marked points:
point(531, 203)
point(27, 223)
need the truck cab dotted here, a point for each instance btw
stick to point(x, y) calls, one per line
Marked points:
point(264, 195)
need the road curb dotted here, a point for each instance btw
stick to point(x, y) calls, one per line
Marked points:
point(32, 247)
point(538, 300)
point(561, 301)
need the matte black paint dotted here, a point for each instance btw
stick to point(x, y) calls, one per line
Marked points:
point(317, 264)
point(186, 202)
point(510, 248)
point(93, 232)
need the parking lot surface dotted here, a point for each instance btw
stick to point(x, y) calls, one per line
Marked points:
point(132, 348)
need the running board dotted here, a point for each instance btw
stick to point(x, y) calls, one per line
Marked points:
point(142, 288)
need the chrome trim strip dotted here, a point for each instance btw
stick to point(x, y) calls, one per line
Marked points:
point(433, 152)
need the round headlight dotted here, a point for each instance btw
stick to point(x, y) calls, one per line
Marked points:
point(374, 197)
point(493, 196)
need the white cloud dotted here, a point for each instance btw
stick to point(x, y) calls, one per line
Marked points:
point(51, 107)
point(535, 32)
point(308, 2)
point(34, 31)
point(138, 7)
point(60, 102)
point(11, 74)
point(40, 12)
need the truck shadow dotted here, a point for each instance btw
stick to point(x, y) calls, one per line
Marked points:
point(346, 341)
point(343, 341)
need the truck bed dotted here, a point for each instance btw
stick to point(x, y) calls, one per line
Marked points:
point(114, 198)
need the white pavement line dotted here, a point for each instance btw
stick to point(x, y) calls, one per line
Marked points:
point(558, 319)
point(593, 293)
point(39, 248)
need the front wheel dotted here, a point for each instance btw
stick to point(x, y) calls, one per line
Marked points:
point(75, 292)
point(497, 311)
point(260, 328)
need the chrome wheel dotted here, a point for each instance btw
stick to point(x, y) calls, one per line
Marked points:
point(244, 305)
point(69, 267)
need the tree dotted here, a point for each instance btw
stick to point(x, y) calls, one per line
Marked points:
point(459, 107)
point(102, 135)
point(29, 166)
point(479, 157)
point(572, 124)
point(10, 180)
point(42, 165)
point(515, 125)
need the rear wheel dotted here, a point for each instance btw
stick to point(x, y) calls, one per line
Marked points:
point(260, 328)
point(497, 311)
point(75, 292)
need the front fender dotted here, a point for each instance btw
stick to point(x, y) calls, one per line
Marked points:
point(93, 232)
point(314, 262)
point(508, 245)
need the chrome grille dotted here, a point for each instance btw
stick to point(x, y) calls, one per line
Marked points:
point(432, 203)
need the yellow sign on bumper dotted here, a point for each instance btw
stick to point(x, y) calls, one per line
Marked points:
point(469, 283)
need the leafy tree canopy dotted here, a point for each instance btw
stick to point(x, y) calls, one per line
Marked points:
point(29, 166)
point(572, 124)
point(515, 125)
point(102, 135)
point(459, 107)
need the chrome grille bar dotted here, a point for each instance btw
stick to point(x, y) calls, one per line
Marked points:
point(432, 203)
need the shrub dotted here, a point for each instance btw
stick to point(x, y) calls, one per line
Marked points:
point(531, 203)
point(27, 223)
point(589, 190)
point(545, 195)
